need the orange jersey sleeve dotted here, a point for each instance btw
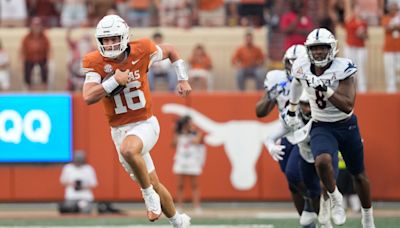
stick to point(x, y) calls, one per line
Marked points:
point(134, 103)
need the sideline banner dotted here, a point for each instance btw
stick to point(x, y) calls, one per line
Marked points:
point(35, 128)
point(238, 166)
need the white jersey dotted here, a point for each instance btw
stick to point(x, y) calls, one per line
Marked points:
point(305, 150)
point(279, 78)
point(304, 146)
point(321, 108)
point(86, 174)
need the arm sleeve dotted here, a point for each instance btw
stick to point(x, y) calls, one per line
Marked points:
point(90, 73)
point(295, 91)
point(275, 135)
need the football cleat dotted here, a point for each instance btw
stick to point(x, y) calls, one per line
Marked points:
point(324, 215)
point(367, 220)
point(183, 222)
point(338, 213)
point(307, 218)
point(327, 225)
point(153, 205)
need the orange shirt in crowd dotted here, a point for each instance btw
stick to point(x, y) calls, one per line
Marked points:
point(352, 26)
point(209, 4)
point(35, 48)
point(392, 43)
point(258, 2)
point(200, 62)
point(134, 103)
point(139, 5)
point(248, 56)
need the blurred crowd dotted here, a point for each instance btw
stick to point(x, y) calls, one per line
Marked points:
point(288, 23)
point(143, 13)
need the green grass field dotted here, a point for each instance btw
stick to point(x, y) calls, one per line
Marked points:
point(214, 214)
point(197, 222)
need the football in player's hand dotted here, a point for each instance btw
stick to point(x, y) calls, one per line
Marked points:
point(116, 90)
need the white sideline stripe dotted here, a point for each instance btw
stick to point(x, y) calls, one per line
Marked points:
point(276, 215)
point(148, 226)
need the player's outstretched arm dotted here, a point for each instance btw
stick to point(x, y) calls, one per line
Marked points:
point(275, 150)
point(344, 96)
point(168, 51)
point(264, 106)
point(295, 91)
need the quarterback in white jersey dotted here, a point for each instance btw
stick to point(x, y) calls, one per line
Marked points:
point(330, 84)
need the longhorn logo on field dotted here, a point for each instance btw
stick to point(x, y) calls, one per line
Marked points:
point(242, 140)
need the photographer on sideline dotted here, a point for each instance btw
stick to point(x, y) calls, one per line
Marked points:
point(79, 178)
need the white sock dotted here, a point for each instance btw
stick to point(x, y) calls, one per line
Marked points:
point(367, 215)
point(147, 191)
point(335, 193)
point(355, 203)
point(367, 211)
point(175, 219)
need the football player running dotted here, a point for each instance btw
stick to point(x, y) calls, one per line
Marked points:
point(312, 189)
point(116, 74)
point(330, 84)
point(277, 85)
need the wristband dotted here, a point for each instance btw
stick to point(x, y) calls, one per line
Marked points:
point(329, 92)
point(180, 70)
point(290, 113)
point(110, 84)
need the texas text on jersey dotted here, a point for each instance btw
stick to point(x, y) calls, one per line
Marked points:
point(134, 102)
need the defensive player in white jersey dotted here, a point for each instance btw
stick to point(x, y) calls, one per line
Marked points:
point(330, 84)
point(305, 165)
point(277, 84)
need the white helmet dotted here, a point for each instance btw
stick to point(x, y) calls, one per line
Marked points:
point(321, 36)
point(109, 26)
point(292, 53)
point(274, 78)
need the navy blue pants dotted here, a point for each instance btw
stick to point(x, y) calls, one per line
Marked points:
point(310, 179)
point(290, 164)
point(343, 136)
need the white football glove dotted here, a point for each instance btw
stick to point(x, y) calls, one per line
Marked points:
point(276, 151)
point(316, 83)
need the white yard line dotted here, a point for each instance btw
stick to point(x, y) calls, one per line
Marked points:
point(148, 226)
